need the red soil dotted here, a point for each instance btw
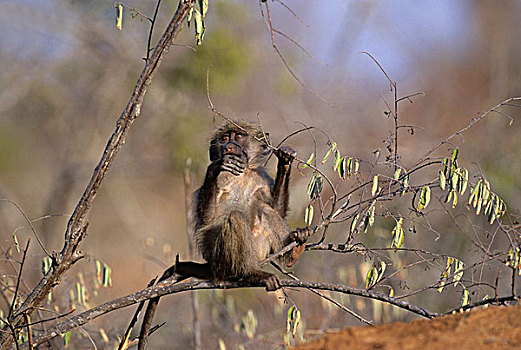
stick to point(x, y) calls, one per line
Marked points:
point(492, 328)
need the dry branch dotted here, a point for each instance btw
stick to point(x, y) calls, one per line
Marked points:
point(168, 287)
point(77, 225)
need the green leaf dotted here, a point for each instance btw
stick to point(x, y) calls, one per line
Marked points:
point(405, 184)
point(371, 216)
point(290, 317)
point(189, 16)
point(295, 323)
point(310, 159)
point(353, 223)
point(479, 193)
point(337, 159)
point(311, 185)
point(459, 266)
point(203, 6)
point(308, 216)
point(442, 180)
point(349, 165)
point(119, 16)
point(199, 27)
point(370, 278)
point(471, 195)
point(292, 320)
point(494, 212)
point(397, 173)
point(67, 338)
point(454, 199)
point(488, 209)
point(375, 185)
point(356, 166)
point(454, 157)
point(441, 286)
point(107, 279)
point(464, 180)
point(455, 179)
point(445, 274)
point(342, 168)
point(425, 198)
point(249, 324)
point(315, 186)
point(331, 149)
point(46, 265)
point(449, 196)
point(383, 266)
point(465, 297)
point(98, 271)
point(446, 166)
point(398, 234)
point(78, 292)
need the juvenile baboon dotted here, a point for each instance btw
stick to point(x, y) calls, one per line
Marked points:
point(239, 213)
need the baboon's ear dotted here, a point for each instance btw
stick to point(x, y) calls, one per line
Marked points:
point(214, 151)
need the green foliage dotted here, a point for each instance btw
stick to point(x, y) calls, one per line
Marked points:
point(513, 258)
point(292, 320)
point(331, 149)
point(375, 274)
point(425, 198)
point(225, 50)
point(375, 185)
point(452, 273)
point(398, 234)
point(308, 217)
point(248, 324)
point(315, 186)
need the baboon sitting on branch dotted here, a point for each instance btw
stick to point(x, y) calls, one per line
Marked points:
point(239, 213)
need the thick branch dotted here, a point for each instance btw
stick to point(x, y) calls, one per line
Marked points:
point(167, 287)
point(77, 225)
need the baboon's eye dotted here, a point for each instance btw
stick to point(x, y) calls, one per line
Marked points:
point(225, 138)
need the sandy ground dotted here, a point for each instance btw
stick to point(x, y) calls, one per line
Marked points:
point(491, 328)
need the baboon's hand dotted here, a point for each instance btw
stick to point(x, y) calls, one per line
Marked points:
point(285, 154)
point(234, 164)
point(272, 283)
point(301, 235)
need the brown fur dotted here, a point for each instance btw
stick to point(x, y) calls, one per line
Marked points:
point(239, 214)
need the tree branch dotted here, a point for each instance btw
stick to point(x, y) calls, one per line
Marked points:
point(170, 287)
point(77, 225)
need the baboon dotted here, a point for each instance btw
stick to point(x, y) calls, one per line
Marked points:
point(239, 213)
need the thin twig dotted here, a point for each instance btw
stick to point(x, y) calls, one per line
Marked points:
point(124, 344)
point(325, 297)
point(293, 13)
point(152, 25)
point(47, 319)
point(15, 296)
point(269, 24)
point(33, 230)
point(470, 125)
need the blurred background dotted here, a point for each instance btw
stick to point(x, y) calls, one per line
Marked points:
point(67, 74)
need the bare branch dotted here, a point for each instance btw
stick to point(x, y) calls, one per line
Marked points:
point(169, 287)
point(77, 225)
